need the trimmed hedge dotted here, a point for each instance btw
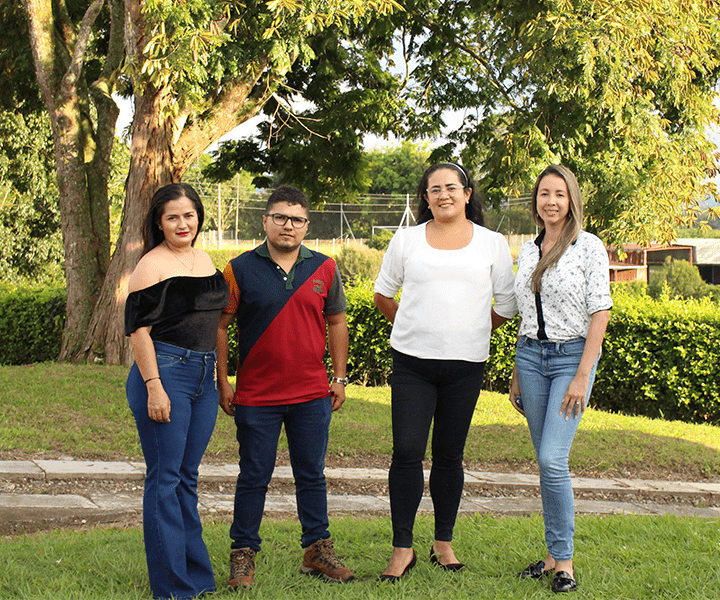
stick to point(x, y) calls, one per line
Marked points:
point(31, 323)
point(660, 359)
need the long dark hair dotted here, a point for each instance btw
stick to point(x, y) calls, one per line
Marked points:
point(473, 209)
point(571, 228)
point(152, 234)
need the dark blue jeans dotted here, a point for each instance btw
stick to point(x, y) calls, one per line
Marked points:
point(177, 559)
point(258, 430)
point(424, 390)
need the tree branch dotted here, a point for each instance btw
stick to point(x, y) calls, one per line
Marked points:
point(78, 56)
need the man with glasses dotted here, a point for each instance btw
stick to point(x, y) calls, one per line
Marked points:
point(283, 294)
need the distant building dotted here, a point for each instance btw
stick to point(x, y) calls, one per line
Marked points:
point(705, 256)
point(640, 262)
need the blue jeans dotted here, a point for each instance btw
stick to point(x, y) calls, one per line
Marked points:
point(545, 369)
point(425, 391)
point(258, 429)
point(177, 559)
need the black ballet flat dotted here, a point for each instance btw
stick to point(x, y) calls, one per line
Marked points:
point(451, 567)
point(563, 582)
point(534, 571)
point(395, 578)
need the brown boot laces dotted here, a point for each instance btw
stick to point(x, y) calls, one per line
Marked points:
point(326, 554)
point(242, 564)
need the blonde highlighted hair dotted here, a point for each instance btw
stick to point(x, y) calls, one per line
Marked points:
point(571, 228)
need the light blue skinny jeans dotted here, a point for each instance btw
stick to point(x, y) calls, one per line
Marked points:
point(545, 369)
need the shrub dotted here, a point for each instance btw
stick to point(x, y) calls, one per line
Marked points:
point(629, 288)
point(660, 360)
point(369, 358)
point(380, 240)
point(31, 323)
point(357, 263)
point(678, 279)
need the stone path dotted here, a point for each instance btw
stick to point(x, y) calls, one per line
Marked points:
point(492, 493)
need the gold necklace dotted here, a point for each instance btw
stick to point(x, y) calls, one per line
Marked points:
point(191, 268)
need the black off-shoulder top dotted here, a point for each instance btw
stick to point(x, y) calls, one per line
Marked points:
point(182, 311)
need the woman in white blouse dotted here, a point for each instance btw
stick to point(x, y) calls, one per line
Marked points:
point(450, 269)
point(563, 294)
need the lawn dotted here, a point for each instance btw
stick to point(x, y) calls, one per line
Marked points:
point(52, 410)
point(619, 557)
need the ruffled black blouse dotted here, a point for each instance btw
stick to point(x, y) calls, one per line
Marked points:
point(182, 311)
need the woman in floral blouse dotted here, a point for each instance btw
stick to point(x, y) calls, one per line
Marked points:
point(563, 294)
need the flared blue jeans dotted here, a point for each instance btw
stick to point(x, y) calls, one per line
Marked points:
point(177, 559)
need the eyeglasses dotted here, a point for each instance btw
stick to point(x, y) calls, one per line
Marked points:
point(280, 220)
point(450, 189)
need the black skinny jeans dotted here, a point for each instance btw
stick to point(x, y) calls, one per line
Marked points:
point(423, 390)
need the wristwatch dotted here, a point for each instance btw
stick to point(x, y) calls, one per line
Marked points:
point(343, 380)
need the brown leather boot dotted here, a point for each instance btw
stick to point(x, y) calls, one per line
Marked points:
point(242, 568)
point(320, 561)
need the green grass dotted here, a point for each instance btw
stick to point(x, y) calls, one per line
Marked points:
point(618, 557)
point(50, 410)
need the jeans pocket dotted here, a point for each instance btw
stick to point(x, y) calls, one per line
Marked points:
point(165, 361)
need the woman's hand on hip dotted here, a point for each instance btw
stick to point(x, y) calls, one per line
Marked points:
point(158, 402)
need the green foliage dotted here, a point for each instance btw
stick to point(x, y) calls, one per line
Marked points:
point(381, 239)
point(679, 279)
point(31, 323)
point(659, 359)
point(30, 237)
point(499, 367)
point(710, 231)
point(599, 86)
point(369, 358)
point(398, 169)
point(629, 288)
point(358, 263)
point(319, 149)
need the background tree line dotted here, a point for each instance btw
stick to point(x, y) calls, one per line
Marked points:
point(620, 91)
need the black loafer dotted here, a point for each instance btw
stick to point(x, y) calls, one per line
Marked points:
point(395, 578)
point(563, 582)
point(534, 571)
point(451, 567)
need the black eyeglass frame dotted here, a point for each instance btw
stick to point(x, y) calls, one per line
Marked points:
point(280, 219)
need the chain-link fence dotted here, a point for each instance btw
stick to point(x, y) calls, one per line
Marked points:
point(238, 214)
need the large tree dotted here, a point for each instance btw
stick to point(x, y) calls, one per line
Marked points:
point(619, 90)
point(195, 70)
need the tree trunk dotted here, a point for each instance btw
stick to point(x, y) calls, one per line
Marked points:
point(150, 168)
point(85, 242)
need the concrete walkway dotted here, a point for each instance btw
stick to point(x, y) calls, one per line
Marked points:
point(492, 493)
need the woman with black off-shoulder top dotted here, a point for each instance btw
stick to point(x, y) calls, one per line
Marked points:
point(172, 313)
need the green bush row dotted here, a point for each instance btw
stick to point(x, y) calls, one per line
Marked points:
point(31, 323)
point(660, 359)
